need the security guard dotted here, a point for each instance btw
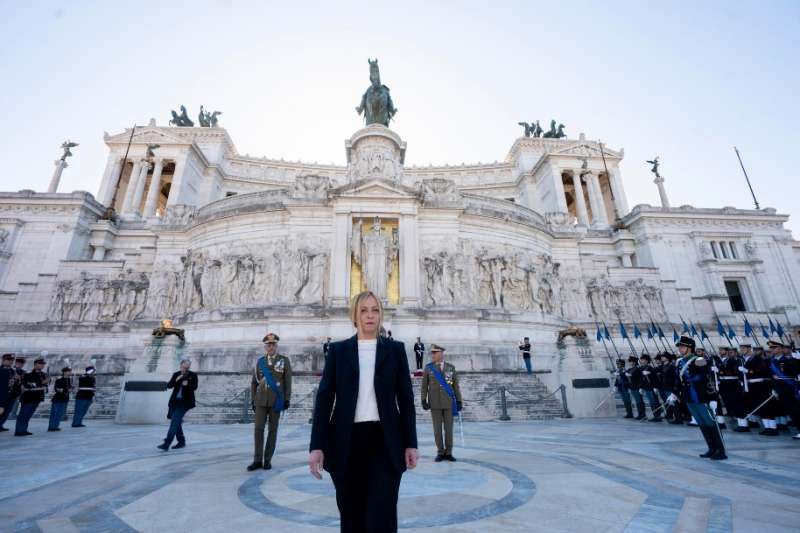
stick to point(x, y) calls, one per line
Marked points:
point(271, 391)
point(58, 404)
point(34, 385)
point(442, 395)
point(84, 397)
point(693, 385)
point(419, 352)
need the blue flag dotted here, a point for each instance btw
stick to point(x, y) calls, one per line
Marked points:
point(693, 330)
point(779, 328)
point(685, 326)
point(748, 329)
point(606, 332)
point(703, 334)
point(675, 336)
point(731, 332)
point(720, 328)
point(653, 329)
point(599, 335)
point(622, 331)
point(650, 333)
point(764, 332)
point(772, 326)
point(661, 332)
point(636, 331)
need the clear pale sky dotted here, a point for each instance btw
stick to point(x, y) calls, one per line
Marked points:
point(683, 80)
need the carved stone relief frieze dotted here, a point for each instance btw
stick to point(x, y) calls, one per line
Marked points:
point(630, 302)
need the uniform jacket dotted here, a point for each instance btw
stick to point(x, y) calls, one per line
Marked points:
point(281, 370)
point(729, 367)
point(16, 388)
point(525, 349)
point(34, 384)
point(6, 379)
point(86, 382)
point(621, 380)
point(62, 388)
point(668, 376)
point(434, 393)
point(419, 348)
point(634, 377)
point(692, 383)
point(335, 407)
point(649, 377)
point(757, 367)
point(187, 395)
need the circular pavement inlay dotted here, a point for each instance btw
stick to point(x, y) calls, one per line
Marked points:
point(497, 489)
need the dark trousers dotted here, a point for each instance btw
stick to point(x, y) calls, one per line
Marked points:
point(176, 425)
point(57, 410)
point(637, 398)
point(9, 408)
point(419, 360)
point(655, 406)
point(81, 408)
point(731, 392)
point(25, 413)
point(528, 364)
point(787, 399)
point(626, 400)
point(367, 492)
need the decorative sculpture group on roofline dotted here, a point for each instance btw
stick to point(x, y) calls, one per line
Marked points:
point(206, 119)
point(533, 129)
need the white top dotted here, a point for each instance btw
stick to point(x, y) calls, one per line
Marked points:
point(366, 404)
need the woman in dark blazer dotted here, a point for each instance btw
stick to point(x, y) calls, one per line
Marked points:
point(364, 429)
point(183, 384)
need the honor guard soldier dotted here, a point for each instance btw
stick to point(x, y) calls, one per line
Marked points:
point(525, 350)
point(669, 376)
point(442, 395)
point(34, 385)
point(784, 375)
point(759, 385)
point(7, 376)
point(419, 353)
point(621, 382)
point(730, 387)
point(87, 387)
point(58, 404)
point(693, 386)
point(650, 385)
point(271, 390)
point(634, 374)
point(14, 391)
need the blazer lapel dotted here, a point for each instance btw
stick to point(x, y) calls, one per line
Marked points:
point(352, 351)
point(381, 351)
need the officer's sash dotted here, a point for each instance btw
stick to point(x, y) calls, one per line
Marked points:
point(790, 383)
point(446, 386)
point(271, 383)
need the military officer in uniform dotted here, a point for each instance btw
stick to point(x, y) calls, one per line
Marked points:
point(271, 390)
point(84, 397)
point(730, 387)
point(58, 404)
point(15, 391)
point(622, 383)
point(442, 395)
point(7, 376)
point(419, 352)
point(34, 385)
point(634, 374)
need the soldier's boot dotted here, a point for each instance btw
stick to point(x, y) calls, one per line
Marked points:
point(255, 465)
point(719, 446)
point(706, 431)
point(742, 426)
point(640, 411)
point(770, 428)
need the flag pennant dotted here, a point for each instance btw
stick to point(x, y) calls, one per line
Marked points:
point(772, 328)
point(704, 335)
point(694, 330)
point(675, 336)
point(685, 326)
point(636, 331)
point(599, 335)
point(622, 331)
point(650, 333)
point(731, 332)
point(606, 332)
point(661, 332)
point(779, 329)
point(764, 332)
point(720, 328)
point(748, 329)
point(653, 329)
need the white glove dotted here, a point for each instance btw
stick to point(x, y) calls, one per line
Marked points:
point(715, 369)
point(742, 369)
point(672, 399)
point(713, 405)
point(646, 372)
point(795, 355)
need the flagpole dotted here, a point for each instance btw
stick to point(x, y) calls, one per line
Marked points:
point(724, 333)
point(752, 331)
point(643, 344)
point(611, 338)
point(628, 338)
point(746, 177)
point(602, 338)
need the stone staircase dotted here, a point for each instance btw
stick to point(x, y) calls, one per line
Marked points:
point(224, 398)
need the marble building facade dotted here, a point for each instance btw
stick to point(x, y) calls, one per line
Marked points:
point(470, 256)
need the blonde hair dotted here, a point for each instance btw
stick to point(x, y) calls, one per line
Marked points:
point(358, 299)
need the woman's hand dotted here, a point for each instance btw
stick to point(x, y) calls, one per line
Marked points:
point(316, 459)
point(412, 455)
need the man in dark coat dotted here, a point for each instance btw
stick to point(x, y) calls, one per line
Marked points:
point(183, 384)
point(58, 404)
point(34, 385)
point(84, 397)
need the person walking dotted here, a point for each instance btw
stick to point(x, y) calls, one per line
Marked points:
point(183, 384)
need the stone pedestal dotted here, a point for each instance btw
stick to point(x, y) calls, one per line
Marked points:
point(585, 376)
point(144, 395)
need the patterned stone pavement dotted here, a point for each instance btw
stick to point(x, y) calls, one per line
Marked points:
point(554, 476)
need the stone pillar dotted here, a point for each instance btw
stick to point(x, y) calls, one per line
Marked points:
point(558, 188)
point(620, 200)
point(99, 253)
point(138, 192)
point(110, 183)
point(599, 215)
point(580, 201)
point(61, 164)
point(155, 187)
point(129, 190)
point(662, 192)
point(177, 181)
point(340, 260)
point(409, 261)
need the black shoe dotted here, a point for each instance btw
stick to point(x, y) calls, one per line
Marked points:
point(722, 426)
point(3, 429)
point(753, 425)
point(78, 426)
point(783, 427)
point(718, 455)
point(742, 429)
point(53, 429)
point(163, 446)
point(179, 446)
point(23, 434)
point(654, 420)
point(439, 458)
point(268, 466)
point(676, 422)
point(255, 465)
point(708, 454)
point(450, 458)
point(640, 417)
point(769, 432)
point(628, 416)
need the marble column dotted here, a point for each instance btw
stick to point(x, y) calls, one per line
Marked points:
point(177, 181)
point(99, 253)
point(558, 188)
point(580, 201)
point(340, 260)
point(409, 261)
point(155, 187)
point(138, 191)
point(620, 200)
point(662, 192)
point(61, 164)
point(110, 183)
point(129, 190)
point(600, 217)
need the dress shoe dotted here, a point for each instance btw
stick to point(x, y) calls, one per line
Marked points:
point(676, 422)
point(179, 446)
point(753, 425)
point(267, 466)
point(53, 429)
point(163, 446)
point(23, 434)
point(3, 429)
point(742, 429)
point(450, 458)
point(783, 427)
point(439, 458)
point(718, 455)
point(723, 426)
point(628, 416)
point(79, 426)
point(709, 453)
point(654, 420)
point(639, 417)
point(769, 432)
point(255, 465)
